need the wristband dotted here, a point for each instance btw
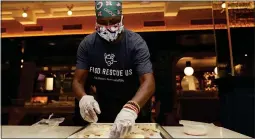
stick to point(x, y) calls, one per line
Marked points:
point(134, 104)
point(129, 106)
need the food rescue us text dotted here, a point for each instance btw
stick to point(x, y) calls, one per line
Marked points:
point(110, 72)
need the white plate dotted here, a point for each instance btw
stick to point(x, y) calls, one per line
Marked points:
point(195, 128)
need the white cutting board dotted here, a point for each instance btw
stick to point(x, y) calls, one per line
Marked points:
point(41, 131)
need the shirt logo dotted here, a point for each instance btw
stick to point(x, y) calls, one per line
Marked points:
point(109, 59)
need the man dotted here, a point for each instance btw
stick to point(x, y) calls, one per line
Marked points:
point(117, 63)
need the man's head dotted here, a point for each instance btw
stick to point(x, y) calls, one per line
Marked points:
point(109, 19)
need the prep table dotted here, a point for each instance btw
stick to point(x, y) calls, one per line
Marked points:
point(65, 131)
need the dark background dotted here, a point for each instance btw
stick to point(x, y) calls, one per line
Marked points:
point(164, 47)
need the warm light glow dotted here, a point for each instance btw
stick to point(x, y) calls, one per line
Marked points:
point(245, 55)
point(69, 12)
point(238, 69)
point(21, 66)
point(24, 14)
point(73, 68)
point(216, 70)
point(22, 60)
point(39, 99)
point(223, 5)
point(188, 71)
point(45, 68)
point(49, 83)
point(22, 49)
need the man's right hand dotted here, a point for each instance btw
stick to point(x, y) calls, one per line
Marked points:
point(89, 108)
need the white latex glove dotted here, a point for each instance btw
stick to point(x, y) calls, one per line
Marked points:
point(123, 123)
point(88, 108)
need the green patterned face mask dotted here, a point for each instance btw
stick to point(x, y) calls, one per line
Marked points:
point(108, 8)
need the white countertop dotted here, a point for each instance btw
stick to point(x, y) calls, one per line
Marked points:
point(216, 132)
point(38, 131)
point(66, 131)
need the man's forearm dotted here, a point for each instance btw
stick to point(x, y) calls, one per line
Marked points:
point(145, 91)
point(78, 89)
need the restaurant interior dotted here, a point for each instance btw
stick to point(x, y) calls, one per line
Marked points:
point(199, 51)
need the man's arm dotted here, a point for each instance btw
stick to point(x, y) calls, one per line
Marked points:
point(79, 80)
point(81, 72)
point(145, 72)
point(127, 116)
point(146, 89)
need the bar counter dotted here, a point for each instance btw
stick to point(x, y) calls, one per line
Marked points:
point(43, 131)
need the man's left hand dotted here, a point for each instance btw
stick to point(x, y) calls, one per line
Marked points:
point(123, 123)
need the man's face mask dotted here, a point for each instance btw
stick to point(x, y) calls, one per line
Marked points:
point(110, 32)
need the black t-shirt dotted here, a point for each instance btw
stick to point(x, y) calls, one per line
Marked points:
point(114, 69)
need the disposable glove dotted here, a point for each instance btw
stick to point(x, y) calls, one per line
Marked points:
point(123, 123)
point(89, 108)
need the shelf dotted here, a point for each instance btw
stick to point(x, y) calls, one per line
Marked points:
point(55, 71)
point(52, 94)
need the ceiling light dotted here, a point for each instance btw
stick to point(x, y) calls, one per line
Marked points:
point(22, 60)
point(69, 12)
point(245, 55)
point(24, 14)
point(223, 5)
point(21, 66)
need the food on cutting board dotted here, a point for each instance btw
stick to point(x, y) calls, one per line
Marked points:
point(95, 131)
point(135, 136)
point(102, 131)
point(147, 131)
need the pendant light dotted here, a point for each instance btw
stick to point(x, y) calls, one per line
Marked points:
point(216, 70)
point(188, 71)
